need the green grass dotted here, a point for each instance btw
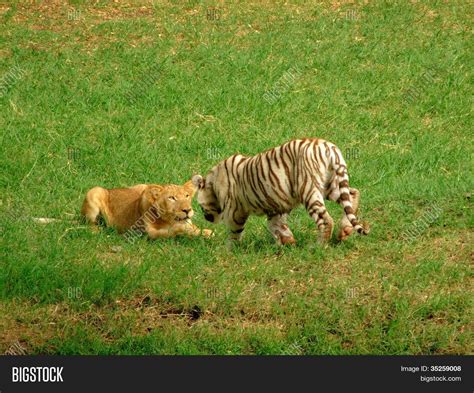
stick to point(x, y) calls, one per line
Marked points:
point(65, 290)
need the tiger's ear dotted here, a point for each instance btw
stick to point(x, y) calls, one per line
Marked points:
point(152, 193)
point(198, 181)
point(189, 187)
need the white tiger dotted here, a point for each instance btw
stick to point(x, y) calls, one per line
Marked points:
point(272, 183)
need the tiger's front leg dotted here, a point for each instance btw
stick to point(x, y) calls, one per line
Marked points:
point(278, 227)
point(236, 228)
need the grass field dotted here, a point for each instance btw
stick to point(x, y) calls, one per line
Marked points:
point(115, 94)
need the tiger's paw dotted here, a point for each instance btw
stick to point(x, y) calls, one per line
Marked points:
point(284, 240)
point(344, 233)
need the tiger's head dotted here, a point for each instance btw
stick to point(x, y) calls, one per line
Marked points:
point(207, 197)
point(170, 202)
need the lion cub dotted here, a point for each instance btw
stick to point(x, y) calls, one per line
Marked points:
point(158, 210)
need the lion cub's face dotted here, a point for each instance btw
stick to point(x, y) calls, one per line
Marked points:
point(172, 202)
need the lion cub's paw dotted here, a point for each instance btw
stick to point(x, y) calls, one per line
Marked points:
point(208, 233)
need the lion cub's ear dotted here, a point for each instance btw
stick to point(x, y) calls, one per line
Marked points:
point(189, 187)
point(198, 181)
point(152, 193)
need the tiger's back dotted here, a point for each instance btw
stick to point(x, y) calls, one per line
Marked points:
point(279, 179)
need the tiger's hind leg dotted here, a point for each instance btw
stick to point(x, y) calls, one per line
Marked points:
point(317, 210)
point(278, 227)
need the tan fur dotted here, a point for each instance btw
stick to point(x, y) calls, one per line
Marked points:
point(158, 210)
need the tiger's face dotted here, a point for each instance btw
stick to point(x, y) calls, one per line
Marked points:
point(207, 198)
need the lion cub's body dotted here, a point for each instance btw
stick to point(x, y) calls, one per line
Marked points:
point(158, 210)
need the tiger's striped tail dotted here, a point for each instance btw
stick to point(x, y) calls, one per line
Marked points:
point(345, 199)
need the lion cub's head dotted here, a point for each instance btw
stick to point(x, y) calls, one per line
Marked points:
point(169, 202)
